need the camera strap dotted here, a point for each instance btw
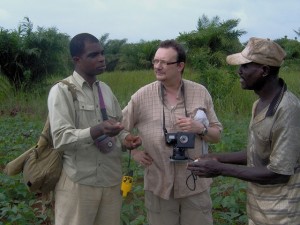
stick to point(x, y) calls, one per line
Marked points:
point(166, 132)
point(101, 103)
point(127, 179)
point(163, 102)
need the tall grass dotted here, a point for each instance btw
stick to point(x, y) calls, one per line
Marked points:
point(13, 102)
point(228, 97)
point(124, 84)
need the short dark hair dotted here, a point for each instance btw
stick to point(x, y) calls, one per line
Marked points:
point(78, 41)
point(181, 55)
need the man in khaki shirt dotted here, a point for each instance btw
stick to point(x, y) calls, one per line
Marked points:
point(271, 164)
point(88, 191)
point(172, 102)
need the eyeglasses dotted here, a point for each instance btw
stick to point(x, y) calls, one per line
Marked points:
point(162, 62)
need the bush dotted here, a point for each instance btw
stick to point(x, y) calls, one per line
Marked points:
point(27, 57)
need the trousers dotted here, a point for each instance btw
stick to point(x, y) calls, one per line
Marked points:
point(191, 210)
point(77, 204)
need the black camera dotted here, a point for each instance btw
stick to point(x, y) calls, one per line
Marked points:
point(180, 142)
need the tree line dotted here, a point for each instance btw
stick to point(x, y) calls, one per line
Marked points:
point(28, 57)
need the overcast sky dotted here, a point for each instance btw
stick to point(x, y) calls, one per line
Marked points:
point(149, 20)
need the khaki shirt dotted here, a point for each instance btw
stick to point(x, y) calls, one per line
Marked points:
point(145, 112)
point(274, 142)
point(70, 127)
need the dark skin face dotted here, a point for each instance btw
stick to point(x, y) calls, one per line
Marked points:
point(91, 62)
point(252, 76)
point(258, 77)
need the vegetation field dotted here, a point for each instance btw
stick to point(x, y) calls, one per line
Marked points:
point(22, 115)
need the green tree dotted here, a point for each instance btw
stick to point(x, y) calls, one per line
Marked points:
point(121, 55)
point(112, 49)
point(291, 47)
point(207, 48)
point(137, 56)
point(297, 32)
point(27, 56)
point(213, 40)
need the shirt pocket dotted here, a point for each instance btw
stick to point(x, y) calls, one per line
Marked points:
point(86, 115)
point(262, 145)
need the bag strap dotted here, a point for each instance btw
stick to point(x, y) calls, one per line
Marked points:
point(45, 135)
point(101, 103)
point(71, 88)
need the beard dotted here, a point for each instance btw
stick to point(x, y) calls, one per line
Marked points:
point(257, 85)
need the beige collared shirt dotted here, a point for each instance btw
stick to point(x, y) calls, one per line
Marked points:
point(70, 127)
point(145, 112)
point(274, 142)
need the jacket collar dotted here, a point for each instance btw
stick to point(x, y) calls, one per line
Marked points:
point(277, 99)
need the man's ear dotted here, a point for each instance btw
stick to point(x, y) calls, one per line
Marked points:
point(181, 66)
point(266, 70)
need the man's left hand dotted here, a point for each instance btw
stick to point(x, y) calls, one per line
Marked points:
point(205, 167)
point(131, 141)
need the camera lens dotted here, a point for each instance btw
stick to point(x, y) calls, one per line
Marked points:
point(183, 139)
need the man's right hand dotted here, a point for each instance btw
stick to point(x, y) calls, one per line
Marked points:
point(111, 127)
point(205, 167)
point(108, 127)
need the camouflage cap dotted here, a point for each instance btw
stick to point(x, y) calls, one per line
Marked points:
point(258, 50)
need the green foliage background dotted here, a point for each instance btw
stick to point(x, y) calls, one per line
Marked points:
point(28, 56)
